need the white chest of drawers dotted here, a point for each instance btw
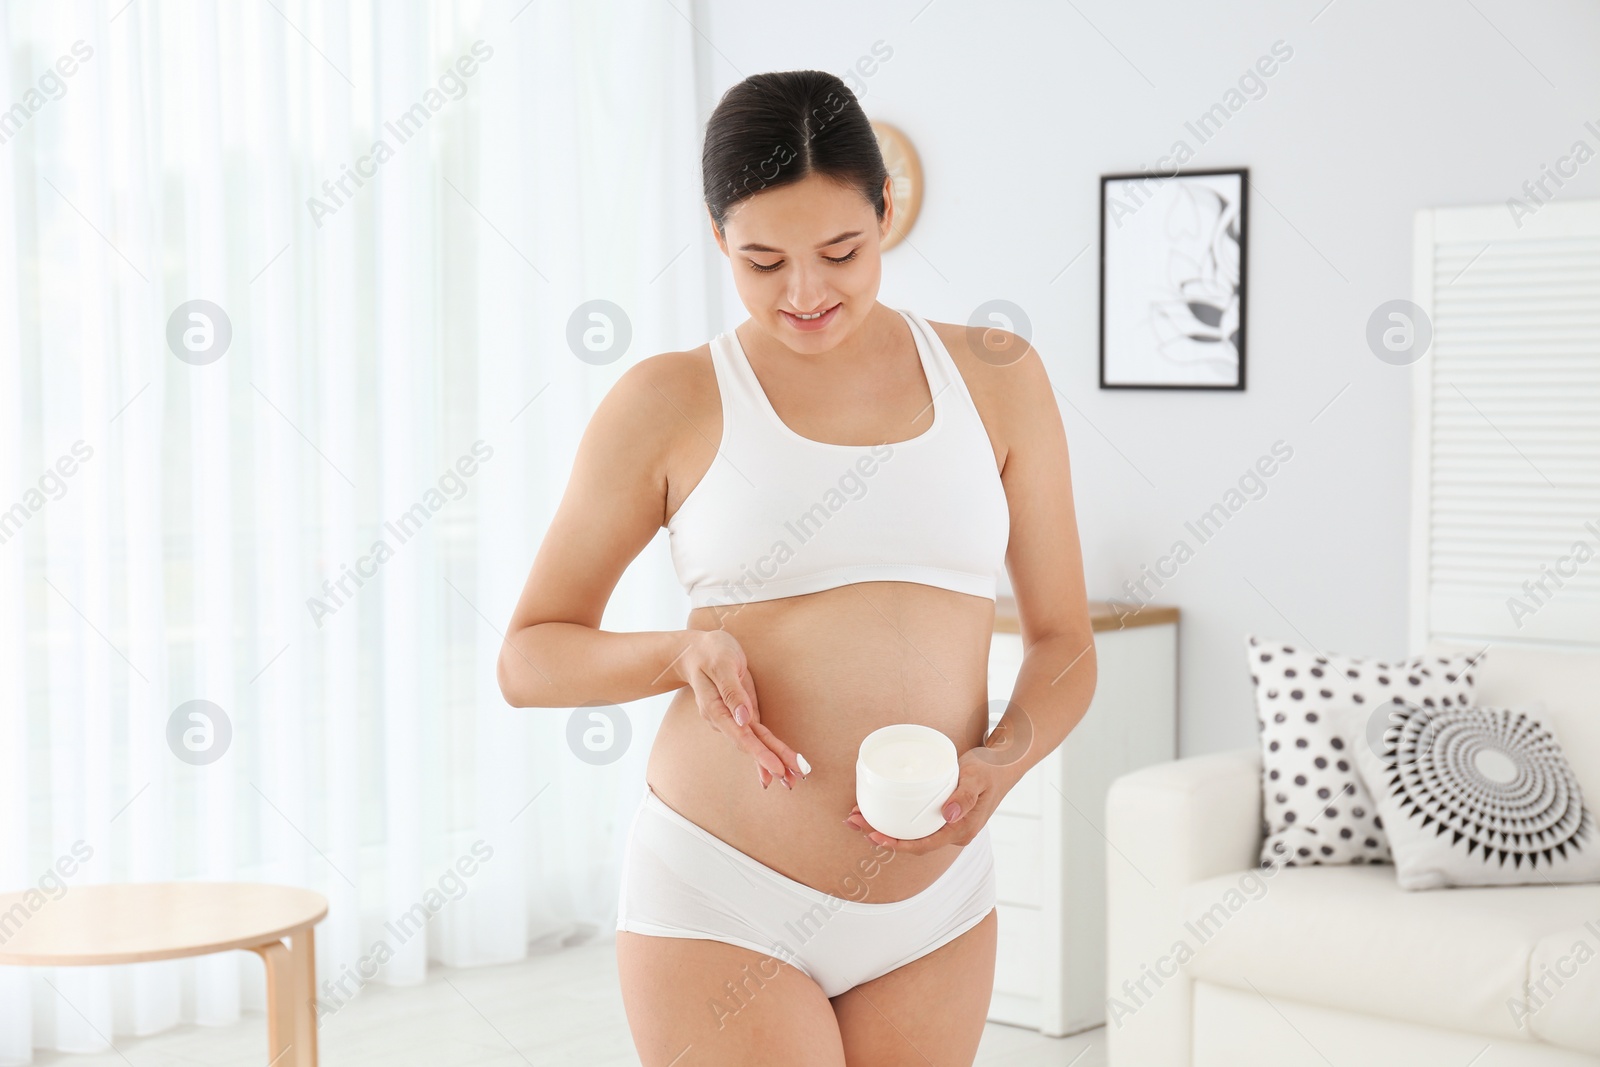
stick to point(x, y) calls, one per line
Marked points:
point(1050, 849)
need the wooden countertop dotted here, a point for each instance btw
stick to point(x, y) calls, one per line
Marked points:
point(1104, 614)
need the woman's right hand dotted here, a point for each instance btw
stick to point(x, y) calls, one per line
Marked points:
point(714, 666)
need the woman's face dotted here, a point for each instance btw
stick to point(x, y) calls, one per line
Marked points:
point(811, 247)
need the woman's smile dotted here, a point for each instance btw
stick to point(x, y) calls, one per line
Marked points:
point(811, 325)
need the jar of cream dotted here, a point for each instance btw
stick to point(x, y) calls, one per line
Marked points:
point(904, 774)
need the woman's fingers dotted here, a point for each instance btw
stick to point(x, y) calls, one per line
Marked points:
point(727, 697)
point(755, 698)
point(752, 746)
point(793, 762)
point(731, 691)
point(728, 720)
point(751, 714)
point(774, 757)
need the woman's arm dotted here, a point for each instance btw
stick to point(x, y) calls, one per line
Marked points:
point(555, 655)
point(565, 665)
point(1045, 562)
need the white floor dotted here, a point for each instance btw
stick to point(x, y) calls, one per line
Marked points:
point(481, 1018)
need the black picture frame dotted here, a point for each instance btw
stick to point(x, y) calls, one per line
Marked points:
point(1155, 191)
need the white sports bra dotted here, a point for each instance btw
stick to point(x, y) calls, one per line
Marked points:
point(779, 515)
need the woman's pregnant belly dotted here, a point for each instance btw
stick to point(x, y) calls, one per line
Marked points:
point(828, 668)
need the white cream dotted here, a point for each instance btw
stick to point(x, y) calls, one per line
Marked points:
point(909, 759)
point(904, 774)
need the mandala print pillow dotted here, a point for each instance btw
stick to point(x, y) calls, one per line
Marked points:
point(1315, 807)
point(1474, 797)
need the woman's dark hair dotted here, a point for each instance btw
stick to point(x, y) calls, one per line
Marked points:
point(776, 128)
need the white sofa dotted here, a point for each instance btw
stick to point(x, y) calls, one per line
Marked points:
point(1211, 962)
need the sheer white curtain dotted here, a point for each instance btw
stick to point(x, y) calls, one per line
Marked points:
point(393, 210)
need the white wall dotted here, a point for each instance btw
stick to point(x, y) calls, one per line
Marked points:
point(1017, 108)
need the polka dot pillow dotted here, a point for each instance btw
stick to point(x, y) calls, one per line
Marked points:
point(1315, 807)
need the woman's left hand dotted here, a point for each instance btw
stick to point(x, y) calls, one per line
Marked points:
point(978, 792)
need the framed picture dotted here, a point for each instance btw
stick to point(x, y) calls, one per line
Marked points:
point(1172, 280)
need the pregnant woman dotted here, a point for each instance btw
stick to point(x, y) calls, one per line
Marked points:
point(841, 482)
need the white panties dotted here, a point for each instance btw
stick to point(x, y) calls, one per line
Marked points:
point(680, 880)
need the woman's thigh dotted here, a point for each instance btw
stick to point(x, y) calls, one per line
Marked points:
point(721, 1004)
point(931, 1011)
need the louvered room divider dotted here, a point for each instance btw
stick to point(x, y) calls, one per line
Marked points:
point(1505, 542)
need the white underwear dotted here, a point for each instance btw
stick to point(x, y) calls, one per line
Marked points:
point(680, 880)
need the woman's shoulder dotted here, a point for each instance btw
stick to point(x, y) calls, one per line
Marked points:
point(986, 345)
point(1003, 374)
point(995, 363)
point(665, 397)
point(680, 378)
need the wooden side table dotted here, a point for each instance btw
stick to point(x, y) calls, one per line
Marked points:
point(140, 922)
point(1048, 832)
